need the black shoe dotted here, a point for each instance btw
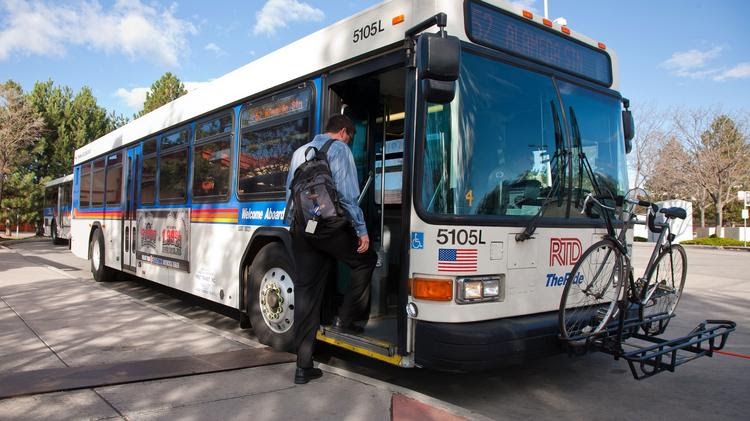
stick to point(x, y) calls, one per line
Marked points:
point(304, 375)
point(350, 328)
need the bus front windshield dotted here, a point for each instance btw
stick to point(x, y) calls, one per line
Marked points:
point(502, 147)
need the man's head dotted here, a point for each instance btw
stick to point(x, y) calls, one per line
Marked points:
point(340, 127)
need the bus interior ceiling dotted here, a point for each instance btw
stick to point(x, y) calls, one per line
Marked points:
point(375, 102)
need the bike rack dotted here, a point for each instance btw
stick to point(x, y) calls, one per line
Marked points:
point(666, 354)
point(648, 355)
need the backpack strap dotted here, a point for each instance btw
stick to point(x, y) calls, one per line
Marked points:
point(327, 146)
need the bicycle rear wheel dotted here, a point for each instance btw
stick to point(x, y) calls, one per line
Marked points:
point(668, 277)
point(589, 299)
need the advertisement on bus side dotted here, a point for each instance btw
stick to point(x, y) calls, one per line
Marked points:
point(164, 238)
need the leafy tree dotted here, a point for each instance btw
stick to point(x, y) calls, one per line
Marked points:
point(166, 89)
point(20, 127)
point(719, 152)
point(23, 198)
point(71, 121)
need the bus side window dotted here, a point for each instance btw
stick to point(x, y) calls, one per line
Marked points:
point(173, 167)
point(271, 130)
point(114, 179)
point(212, 158)
point(97, 183)
point(84, 198)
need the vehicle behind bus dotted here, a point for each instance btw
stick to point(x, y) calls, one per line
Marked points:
point(56, 212)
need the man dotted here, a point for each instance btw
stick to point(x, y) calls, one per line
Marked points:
point(349, 244)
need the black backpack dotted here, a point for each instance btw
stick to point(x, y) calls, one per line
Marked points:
point(317, 211)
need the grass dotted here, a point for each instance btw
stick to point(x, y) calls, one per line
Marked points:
point(704, 241)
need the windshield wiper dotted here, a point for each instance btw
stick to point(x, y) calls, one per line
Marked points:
point(560, 158)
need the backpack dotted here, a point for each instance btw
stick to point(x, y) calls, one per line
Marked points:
point(317, 211)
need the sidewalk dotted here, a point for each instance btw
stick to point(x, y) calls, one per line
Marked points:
point(53, 323)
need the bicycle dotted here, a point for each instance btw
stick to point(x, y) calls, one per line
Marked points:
point(595, 292)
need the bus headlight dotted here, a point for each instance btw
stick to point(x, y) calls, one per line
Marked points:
point(480, 289)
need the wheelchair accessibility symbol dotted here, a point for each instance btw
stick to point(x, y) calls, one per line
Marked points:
point(417, 240)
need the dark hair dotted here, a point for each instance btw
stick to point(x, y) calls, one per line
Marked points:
point(337, 122)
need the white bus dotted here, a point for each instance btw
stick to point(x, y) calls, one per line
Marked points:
point(468, 151)
point(58, 201)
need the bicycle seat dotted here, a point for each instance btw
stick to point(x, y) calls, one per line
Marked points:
point(674, 212)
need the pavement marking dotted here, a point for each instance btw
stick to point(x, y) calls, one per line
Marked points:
point(72, 378)
point(733, 354)
point(38, 336)
point(413, 394)
point(406, 409)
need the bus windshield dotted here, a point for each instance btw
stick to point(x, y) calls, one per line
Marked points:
point(500, 148)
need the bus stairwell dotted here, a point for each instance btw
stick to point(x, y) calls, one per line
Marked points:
point(648, 355)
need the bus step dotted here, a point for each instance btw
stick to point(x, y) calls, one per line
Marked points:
point(667, 354)
point(338, 338)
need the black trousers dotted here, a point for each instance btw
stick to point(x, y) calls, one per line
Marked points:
point(313, 261)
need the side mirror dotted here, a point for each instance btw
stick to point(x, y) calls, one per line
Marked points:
point(628, 128)
point(438, 63)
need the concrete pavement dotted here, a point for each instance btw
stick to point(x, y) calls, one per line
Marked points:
point(50, 319)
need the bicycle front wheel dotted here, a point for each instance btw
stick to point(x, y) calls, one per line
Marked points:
point(589, 299)
point(665, 283)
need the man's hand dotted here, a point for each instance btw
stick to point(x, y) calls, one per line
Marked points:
point(364, 244)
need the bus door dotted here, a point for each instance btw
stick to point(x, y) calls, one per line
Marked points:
point(374, 100)
point(129, 219)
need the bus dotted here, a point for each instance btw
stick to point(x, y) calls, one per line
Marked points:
point(471, 120)
point(58, 200)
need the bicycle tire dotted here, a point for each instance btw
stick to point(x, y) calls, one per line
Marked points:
point(592, 291)
point(672, 261)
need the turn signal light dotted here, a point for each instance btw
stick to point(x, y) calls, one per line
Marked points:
point(398, 19)
point(432, 289)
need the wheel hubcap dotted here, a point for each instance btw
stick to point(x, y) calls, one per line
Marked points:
point(95, 254)
point(277, 300)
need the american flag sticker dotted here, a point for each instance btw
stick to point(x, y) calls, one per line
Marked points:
point(457, 260)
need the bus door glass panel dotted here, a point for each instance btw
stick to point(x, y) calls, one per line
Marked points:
point(498, 148)
point(390, 124)
point(131, 202)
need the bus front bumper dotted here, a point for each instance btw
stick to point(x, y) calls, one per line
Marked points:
point(486, 345)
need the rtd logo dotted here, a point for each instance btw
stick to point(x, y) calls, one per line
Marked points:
point(564, 251)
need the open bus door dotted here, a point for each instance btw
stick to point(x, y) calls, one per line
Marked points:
point(373, 96)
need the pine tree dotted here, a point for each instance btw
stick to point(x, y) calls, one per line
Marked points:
point(166, 89)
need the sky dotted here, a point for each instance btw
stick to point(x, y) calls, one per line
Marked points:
point(680, 53)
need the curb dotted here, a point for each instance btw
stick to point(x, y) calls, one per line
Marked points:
point(704, 246)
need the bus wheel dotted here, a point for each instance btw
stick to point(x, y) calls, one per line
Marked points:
point(96, 251)
point(270, 294)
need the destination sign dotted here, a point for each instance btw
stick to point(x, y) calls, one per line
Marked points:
point(497, 29)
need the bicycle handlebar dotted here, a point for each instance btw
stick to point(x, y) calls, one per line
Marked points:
point(653, 207)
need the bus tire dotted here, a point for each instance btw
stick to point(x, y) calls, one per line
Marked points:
point(270, 297)
point(96, 254)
